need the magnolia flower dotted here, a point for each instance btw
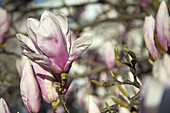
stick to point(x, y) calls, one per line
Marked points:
point(162, 30)
point(49, 43)
point(92, 106)
point(109, 55)
point(44, 79)
point(163, 25)
point(4, 24)
point(148, 31)
point(3, 106)
point(30, 91)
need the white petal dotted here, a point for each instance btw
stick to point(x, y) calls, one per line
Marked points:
point(27, 41)
point(92, 106)
point(79, 46)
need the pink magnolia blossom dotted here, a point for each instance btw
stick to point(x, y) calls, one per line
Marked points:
point(45, 80)
point(163, 25)
point(49, 43)
point(109, 55)
point(30, 91)
point(3, 106)
point(4, 24)
point(92, 106)
point(148, 31)
point(162, 30)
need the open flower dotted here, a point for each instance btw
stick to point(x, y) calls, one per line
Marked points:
point(162, 30)
point(4, 24)
point(49, 43)
point(3, 106)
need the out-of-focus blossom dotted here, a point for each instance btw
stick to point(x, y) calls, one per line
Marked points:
point(155, 91)
point(49, 42)
point(92, 106)
point(152, 94)
point(109, 55)
point(161, 69)
point(123, 110)
point(144, 3)
point(30, 91)
point(3, 106)
point(4, 24)
point(103, 76)
point(162, 30)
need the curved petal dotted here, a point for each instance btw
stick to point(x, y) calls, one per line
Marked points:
point(92, 106)
point(3, 106)
point(32, 25)
point(27, 43)
point(29, 89)
point(44, 62)
point(45, 80)
point(148, 32)
point(51, 42)
point(162, 25)
point(20, 64)
point(79, 46)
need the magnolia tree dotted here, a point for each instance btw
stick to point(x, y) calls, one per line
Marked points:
point(98, 56)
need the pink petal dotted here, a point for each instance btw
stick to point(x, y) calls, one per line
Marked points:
point(109, 55)
point(45, 80)
point(79, 46)
point(63, 22)
point(32, 25)
point(20, 65)
point(51, 41)
point(162, 25)
point(44, 62)
point(148, 32)
point(27, 43)
point(3, 106)
point(4, 24)
point(29, 89)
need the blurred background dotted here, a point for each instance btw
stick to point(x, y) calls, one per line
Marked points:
point(110, 22)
